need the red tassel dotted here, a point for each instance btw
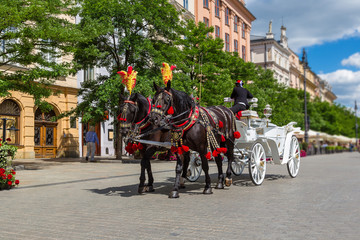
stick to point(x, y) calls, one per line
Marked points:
point(140, 146)
point(134, 147)
point(237, 134)
point(221, 150)
point(185, 148)
point(180, 150)
point(223, 138)
point(224, 150)
point(221, 124)
point(119, 117)
point(208, 156)
point(174, 149)
point(215, 153)
point(158, 106)
point(171, 110)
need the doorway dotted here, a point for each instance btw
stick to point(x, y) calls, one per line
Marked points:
point(45, 134)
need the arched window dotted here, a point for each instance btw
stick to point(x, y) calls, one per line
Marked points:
point(10, 114)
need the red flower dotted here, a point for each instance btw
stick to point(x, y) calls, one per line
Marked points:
point(2, 170)
point(171, 110)
point(134, 147)
point(13, 172)
point(0, 144)
point(3, 176)
point(9, 176)
point(223, 138)
point(17, 182)
point(140, 146)
point(9, 183)
point(221, 124)
point(237, 134)
point(8, 139)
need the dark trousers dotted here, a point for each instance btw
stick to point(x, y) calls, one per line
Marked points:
point(238, 107)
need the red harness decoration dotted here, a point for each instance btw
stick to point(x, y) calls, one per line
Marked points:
point(146, 114)
point(239, 115)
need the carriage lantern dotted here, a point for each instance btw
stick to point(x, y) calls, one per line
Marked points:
point(267, 113)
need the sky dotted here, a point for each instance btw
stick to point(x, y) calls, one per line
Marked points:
point(329, 30)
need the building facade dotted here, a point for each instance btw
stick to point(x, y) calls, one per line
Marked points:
point(231, 21)
point(37, 135)
point(277, 56)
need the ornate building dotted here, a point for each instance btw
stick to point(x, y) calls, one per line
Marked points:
point(231, 21)
point(286, 65)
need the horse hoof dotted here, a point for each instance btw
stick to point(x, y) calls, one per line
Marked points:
point(182, 186)
point(142, 190)
point(207, 191)
point(174, 194)
point(220, 186)
point(149, 189)
point(228, 182)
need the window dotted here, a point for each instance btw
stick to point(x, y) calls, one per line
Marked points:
point(236, 46)
point(217, 8)
point(227, 12)
point(72, 122)
point(186, 4)
point(49, 52)
point(217, 31)
point(227, 42)
point(206, 21)
point(236, 23)
point(10, 111)
point(243, 30)
point(243, 51)
point(206, 3)
point(89, 74)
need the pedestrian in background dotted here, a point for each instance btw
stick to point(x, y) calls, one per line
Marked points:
point(90, 139)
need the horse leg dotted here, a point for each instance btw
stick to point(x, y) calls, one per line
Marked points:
point(186, 156)
point(205, 167)
point(220, 184)
point(178, 170)
point(141, 188)
point(230, 156)
point(149, 187)
point(145, 165)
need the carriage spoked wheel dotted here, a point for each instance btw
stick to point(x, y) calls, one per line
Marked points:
point(293, 164)
point(237, 166)
point(195, 168)
point(257, 164)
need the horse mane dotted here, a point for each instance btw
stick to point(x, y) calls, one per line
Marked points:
point(182, 101)
point(142, 104)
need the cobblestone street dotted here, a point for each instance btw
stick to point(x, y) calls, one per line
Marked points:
point(76, 200)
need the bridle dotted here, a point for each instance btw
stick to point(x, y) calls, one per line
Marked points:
point(124, 123)
point(157, 108)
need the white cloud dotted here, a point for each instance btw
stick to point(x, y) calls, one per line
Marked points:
point(345, 84)
point(353, 60)
point(308, 22)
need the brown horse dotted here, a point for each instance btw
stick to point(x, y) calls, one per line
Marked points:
point(205, 130)
point(134, 120)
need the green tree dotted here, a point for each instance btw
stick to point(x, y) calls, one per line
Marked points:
point(33, 34)
point(122, 33)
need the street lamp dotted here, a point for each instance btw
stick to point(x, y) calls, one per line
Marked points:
point(356, 126)
point(305, 66)
point(12, 128)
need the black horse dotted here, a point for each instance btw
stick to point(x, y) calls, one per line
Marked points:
point(134, 120)
point(209, 131)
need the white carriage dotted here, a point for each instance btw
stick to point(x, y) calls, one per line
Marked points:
point(260, 142)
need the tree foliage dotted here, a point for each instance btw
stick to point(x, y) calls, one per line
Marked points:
point(33, 34)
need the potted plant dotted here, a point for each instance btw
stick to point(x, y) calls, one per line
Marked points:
point(7, 173)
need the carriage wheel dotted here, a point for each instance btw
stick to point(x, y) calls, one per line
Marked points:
point(194, 169)
point(293, 164)
point(237, 166)
point(257, 164)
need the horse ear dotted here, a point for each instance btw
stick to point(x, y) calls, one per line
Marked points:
point(168, 86)
point(157, 88)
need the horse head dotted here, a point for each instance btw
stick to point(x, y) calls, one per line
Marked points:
point(162, 102)
point(133, 111)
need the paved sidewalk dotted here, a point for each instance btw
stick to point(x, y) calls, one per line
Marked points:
point(71, 199)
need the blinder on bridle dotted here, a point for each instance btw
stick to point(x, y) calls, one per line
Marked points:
point(124, 123)
point(163, 99)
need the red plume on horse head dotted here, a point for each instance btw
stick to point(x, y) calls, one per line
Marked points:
point(128, 78)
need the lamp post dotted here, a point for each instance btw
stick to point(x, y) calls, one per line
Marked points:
point(356, 126)
point(305, 66)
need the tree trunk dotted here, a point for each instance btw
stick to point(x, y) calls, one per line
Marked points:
point(118, 142)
